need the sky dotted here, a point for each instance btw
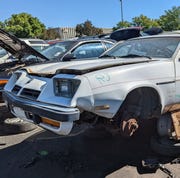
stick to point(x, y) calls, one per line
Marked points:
point(69, 13)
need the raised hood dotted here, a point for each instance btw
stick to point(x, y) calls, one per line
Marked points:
point(16, 47)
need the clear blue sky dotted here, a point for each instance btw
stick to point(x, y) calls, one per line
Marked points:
point(69, 13)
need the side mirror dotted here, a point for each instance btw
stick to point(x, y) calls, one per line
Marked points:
point(68, 57)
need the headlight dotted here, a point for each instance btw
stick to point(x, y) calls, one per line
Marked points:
point(65, 87)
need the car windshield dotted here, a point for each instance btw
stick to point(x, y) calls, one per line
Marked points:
point(39, 48)
point(55, 50)
point(159, 47)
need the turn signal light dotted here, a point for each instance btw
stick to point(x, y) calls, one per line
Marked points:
point(50, 122)
point(3, 81)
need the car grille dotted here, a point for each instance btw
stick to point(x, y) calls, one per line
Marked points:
point(29, 93)
point(16, 89)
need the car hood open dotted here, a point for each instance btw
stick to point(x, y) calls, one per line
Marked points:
point(16, 47)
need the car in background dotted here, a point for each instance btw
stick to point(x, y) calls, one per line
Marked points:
point(13, 49)
point(79, 49)
point(4, 55)
point(133, 32)
point(50, 42)
point(37, 44)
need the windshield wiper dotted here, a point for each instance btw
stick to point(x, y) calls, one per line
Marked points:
point(107, 56)
point(134, 55)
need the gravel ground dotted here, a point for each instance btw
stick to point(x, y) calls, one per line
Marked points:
point(41, 154)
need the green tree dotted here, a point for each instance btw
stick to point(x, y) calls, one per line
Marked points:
point(1, 24)
point(171, 20)
point(123, 24)
point(88, 29)
point(50, 34)
point(23, 25)
point(145, 22)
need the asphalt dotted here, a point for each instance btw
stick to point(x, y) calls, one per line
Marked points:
point(41, 154)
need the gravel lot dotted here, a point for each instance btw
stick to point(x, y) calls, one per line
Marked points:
point(41, 154)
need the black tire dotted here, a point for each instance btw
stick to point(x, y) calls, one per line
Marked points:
point(165, 146)
point(16, 125)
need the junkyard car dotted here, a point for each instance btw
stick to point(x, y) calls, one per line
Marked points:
point(18, 49)
point(78, 49)
point(24, 53)
point(132, 32)
point(3, 55)
point(37, 44)
point(133, 81)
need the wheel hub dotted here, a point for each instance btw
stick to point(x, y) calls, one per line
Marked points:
point(128, 127)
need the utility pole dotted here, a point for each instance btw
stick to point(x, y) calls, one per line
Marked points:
point(121, 11)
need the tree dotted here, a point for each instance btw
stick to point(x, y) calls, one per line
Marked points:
point(50, 34)
point(171, 20)
point(1, 24)
point(145, 22)
point(123, 24)
point(88, 29)
point(23, 25)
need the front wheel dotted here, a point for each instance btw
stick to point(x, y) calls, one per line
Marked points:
point(140, 105)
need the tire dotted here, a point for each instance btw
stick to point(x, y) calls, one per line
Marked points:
point(165, 146)
point(16, 125)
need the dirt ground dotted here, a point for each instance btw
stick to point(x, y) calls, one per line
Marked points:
point(41, 154)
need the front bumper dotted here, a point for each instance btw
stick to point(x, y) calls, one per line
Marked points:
point(34, 111)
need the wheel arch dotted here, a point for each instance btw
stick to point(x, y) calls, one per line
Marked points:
point(146, 92)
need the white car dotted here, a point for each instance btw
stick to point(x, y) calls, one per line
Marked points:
point(135, 80)
point(3, 55)
point(37, 44)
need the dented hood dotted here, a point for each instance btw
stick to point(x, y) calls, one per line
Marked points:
point(16, 47)
point(80, 67)
point(53, 67)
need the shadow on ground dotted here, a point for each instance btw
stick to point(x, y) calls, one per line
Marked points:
point(73, 157)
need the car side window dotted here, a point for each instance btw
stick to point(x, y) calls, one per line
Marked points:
point(108, 45)
point(88, 50)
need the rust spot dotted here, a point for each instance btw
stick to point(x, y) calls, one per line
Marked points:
point(29, 70)
point(128, 127)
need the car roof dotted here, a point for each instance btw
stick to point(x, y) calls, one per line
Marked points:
point(161, 35)
point(129, 28)
point(171, 34)
point(34, 41)
point(75, 42)
point(16, 47)
point(91, 39)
